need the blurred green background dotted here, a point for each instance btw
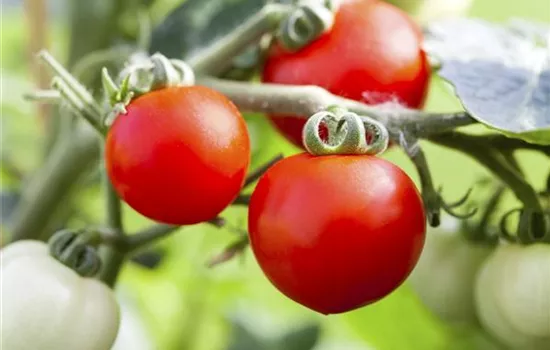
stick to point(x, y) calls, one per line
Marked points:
point(184, 305)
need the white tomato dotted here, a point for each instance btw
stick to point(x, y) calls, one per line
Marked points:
point(513, 296)
point(47, 306)
point(444, 277)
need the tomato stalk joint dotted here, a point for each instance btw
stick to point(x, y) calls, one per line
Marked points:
point(309, 20)
point(76, 250)
point(152, 73)
point(348, 133)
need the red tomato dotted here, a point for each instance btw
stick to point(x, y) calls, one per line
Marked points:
point(372, 54)
point(179, 155)
point(335, 233)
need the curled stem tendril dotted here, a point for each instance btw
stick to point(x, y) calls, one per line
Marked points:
point(347, 133)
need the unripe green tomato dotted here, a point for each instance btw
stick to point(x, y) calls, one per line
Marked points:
point(513, 296)
point(47, 306)
point(426, 11)
point(445, 275)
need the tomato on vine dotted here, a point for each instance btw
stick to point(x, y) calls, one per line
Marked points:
point(445, 275)
point(336, 232)
point(47, 305)
point(372, 54)
point(179, 155)
point(513, 295)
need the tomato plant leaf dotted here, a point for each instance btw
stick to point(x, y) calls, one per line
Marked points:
point(501, 73)
point(304, 338)
point(198, 23)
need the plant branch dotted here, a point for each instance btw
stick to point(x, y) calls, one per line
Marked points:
point(148, 236)
point(112, 257)
point(483, 151)
point(229, 252)
point(50, 186)
point(430, 196)
point(153, 233)
point(505, 143)
point(113, 207)
point(216, 59)
point(243, 199)
point(489, 211)
point(256, 174)
point(278, 99)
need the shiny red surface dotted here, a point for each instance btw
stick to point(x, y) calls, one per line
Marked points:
point(179, 155)
point(372, 54)
point(335, 233)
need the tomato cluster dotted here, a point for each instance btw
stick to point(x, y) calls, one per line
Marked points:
point(333, 233)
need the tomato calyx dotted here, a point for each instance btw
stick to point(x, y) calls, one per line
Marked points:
point(346, 133)
point(76, 250)
point(309, 20)
point(148, 74)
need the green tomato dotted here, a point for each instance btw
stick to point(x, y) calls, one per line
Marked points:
point(426, 11)
point(445, 275)
point(46, 305)
point(513, 296)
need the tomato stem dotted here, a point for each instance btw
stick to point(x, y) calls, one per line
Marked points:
point(69, 81)
point(229, 252)
point(305, 23)
point(242, 199)
point(481, 232)
point(45, 96)
point(431, 197)
point(149, 235)
point(304, 101)
point(216, 59)
point(483, 150)
point(138, 240)
point(47, 192)
point(112, 256)
point(256, 174)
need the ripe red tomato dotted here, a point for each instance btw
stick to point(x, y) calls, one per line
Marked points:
point(372, 54)
point(179, 155)
point(335, 233)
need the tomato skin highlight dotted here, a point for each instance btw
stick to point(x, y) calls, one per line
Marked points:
point(335, 233)
point(179, 155)
point(372, 54)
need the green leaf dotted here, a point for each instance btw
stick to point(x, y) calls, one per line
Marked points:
point(501, 73)
point(304, 338)
point(198, 23)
